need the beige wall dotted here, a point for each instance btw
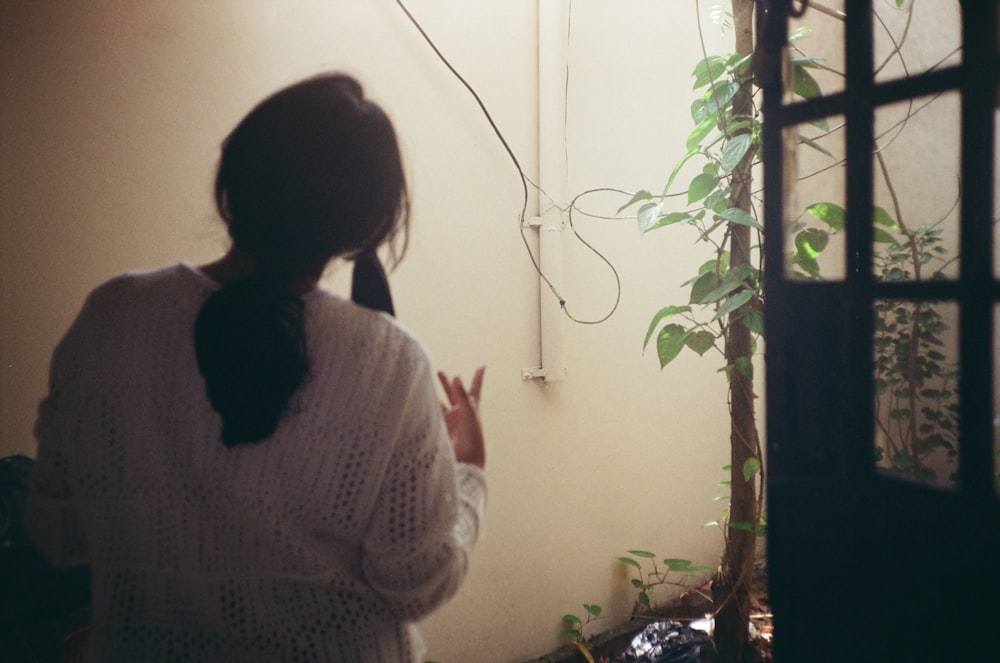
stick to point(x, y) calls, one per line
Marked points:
point(111, 115)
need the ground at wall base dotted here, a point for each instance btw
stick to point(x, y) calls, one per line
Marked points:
point(690, 607)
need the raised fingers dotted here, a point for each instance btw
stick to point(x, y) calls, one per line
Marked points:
point(477, 383)
point(449, 389)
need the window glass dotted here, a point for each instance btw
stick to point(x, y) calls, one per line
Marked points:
point(916, 390)
point(916, 188)
point(815, 200)
point(915, 36)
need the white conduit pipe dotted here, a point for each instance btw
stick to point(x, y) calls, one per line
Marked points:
point(553, 18)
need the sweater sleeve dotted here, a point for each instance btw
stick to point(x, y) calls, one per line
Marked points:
point(427, 518)
point(51, 515)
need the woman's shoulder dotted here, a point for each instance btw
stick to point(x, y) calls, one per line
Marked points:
point(139, 294)
point(147, 281)
point(361, 326)
point(137, 299)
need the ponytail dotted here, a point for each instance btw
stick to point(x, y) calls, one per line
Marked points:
point(251, 350)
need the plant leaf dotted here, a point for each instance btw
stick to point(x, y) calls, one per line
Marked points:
point(721, 95)
point(708, 70)
point(668, 220)
point(803, 84)
point(882, 237)
point(799, 33)
point(740, 217)
point(883, 218)
point(703, 285)
point(807, 263)
point(675, 564)
point(733, 303)
point(670, 342)
point(805, 140)
point(738, 62)
point(702, 185)
point(709, 266)
point(642, 194)
point(718, 200)
point(832, 215)
point(571, 619)
point(677, 168)
point(725, 287)
point(731, 280)
point(664, 312)
point(811, 242)
point(751, 466)
point(753, 320)
point(703, 129)
point(647, 215)
point(595, 610)
point(630, 562)
point(701, 341)
point(744, 366)
point(734, 151)
point(642, 553)
point(699, 110)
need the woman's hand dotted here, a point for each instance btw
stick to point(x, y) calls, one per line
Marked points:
point(461, 416)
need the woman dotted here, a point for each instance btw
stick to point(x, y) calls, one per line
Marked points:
point(256, 469)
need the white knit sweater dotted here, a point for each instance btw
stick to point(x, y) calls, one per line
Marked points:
point(321, 543)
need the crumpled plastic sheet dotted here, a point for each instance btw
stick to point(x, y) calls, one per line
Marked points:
point(670, 642)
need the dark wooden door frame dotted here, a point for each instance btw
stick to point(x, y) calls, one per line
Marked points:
point(864, 567)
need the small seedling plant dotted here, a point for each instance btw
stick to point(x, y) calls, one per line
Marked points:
point(647, 574)
point(650, 575)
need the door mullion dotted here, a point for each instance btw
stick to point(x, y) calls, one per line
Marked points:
point(976, 465)
point(859, 113)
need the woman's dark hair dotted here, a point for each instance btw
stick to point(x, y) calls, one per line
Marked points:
point(311, 173)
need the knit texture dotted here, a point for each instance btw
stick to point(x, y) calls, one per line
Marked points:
point(322, 543)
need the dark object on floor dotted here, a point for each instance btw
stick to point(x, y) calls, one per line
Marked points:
point(44, 611)
point(669, 642)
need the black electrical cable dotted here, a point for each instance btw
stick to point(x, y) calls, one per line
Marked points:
point(618, 281)
point(524, 184)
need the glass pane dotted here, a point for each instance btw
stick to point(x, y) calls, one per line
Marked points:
point(910, 38)
point(916, 390)
point(816, 47)
point(815, 200)
point(915, 36)
point(917, 187)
